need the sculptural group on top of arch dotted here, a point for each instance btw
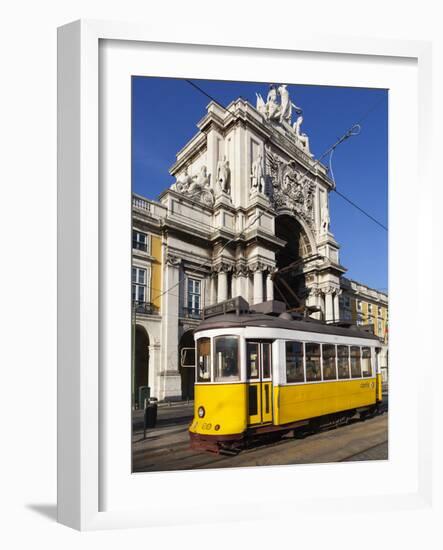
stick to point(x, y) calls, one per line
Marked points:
point(279, 108)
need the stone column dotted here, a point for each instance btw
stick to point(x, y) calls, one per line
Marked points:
point(337, 305)
point(170, 386)
point(242, 284)
point(234, 290)
point(269, 287)
point(258, 286)
point(329, 306)
point(213, 290)
point(154, 367)
point(222, 293)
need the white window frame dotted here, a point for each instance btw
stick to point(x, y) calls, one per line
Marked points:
point(188, 294)
point(148, 241)
point(146, 285)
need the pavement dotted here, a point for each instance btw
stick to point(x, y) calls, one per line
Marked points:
point(167, 448)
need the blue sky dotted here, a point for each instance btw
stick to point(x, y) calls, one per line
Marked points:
point(164, 117)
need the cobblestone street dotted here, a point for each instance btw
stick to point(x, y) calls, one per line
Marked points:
point(166, 446)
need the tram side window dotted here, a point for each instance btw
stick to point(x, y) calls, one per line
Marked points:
point(313, 369)
point(204, 360)
point(343, 361)
point(294, 362)
point(329, 367)
point(355, 362)
point(226, 359)
point(366, 366)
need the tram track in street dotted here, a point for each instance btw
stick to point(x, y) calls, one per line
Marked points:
point(168, 450)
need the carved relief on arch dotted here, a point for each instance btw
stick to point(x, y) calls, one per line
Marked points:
point(292, 189)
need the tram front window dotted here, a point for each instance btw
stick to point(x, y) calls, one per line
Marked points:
point(226, 366)
point(204, 360)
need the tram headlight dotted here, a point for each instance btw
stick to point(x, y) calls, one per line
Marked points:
point(201, 412)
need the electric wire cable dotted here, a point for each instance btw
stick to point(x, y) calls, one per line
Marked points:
point(349, 200)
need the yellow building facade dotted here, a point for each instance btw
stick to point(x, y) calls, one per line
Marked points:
point(146, 297)
point(368, 308)
point(364, 306)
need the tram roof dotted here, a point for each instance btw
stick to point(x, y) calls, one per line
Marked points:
point(231, 320)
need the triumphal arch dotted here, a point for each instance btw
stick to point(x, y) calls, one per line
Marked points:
point(249, 176)
point(247, 215)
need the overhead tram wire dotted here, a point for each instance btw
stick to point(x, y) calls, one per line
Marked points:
point(362, 118)
point(352, 131)
point(349, 200)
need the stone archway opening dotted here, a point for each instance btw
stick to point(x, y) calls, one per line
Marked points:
point(186, 352)
point(141, 365)
point(289, 281)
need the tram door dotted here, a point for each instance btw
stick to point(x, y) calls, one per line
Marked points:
point(259, 375)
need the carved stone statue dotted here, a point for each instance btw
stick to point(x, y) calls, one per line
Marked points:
point(285, 104)
point(261, 105)
point(182, 183)
point(197, 187)
point(272, 106)
point(301, 137)
point(325, 220)
point(224, 175)
point(200, 181)
point(257, 176)
point(279, 108)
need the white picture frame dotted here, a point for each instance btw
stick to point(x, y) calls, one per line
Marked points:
point(83, 401)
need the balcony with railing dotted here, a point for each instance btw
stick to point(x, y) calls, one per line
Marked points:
point(149, 207)
point(141, 204)
point(145, 308)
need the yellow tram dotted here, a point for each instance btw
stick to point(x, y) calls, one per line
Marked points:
point(259, 374)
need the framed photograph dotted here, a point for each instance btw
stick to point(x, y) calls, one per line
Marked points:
point(233, 311)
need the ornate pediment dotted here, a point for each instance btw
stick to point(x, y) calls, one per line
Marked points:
point(289, 189)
